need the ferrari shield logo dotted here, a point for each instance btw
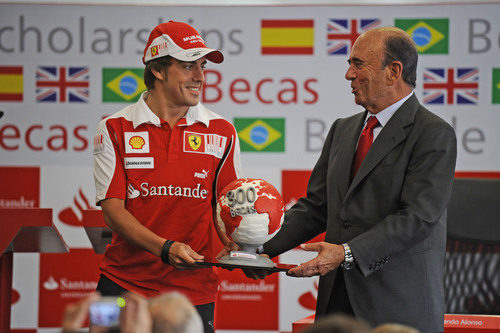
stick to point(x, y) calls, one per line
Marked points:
point(194, 141)
point(154, 51)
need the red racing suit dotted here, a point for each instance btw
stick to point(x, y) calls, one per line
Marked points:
point(167, 178)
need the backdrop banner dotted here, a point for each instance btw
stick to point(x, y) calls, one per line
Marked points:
point(65, 67)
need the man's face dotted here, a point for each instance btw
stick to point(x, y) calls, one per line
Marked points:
point(368, 79)
point(184, 82)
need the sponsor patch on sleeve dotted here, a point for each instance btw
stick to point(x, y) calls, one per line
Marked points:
point(139, 162)
point(98, 144)
point(203, 143)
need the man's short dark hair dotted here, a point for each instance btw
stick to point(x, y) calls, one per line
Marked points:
point(402, 48)
point(158, 64)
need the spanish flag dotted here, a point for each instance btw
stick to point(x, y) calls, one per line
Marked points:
point(287, 37)
point(11, 83)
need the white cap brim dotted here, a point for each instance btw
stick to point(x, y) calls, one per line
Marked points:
point(167, 47)
point(197, 53)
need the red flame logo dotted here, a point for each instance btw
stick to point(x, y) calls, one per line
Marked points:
point(308, 300)
point(69, 216)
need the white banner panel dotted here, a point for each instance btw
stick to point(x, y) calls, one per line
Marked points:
point(308, 91)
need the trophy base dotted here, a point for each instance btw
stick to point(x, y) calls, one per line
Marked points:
point(243, 260)
point(246, 259)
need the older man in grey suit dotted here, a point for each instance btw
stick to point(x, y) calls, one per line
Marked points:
point(380, 190)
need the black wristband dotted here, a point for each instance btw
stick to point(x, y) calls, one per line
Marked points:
point(165, 250)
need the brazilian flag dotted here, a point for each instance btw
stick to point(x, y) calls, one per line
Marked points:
point(261, 134)
point(430, 35)
point(122, 84)
point(495, 94)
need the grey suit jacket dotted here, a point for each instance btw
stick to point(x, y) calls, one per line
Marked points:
point(392, 214)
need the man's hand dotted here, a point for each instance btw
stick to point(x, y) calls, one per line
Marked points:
point(330, 256)
point(182, 256)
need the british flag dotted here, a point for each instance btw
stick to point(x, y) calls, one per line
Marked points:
point(342, 33)
point(451, 85)
point(61, 84)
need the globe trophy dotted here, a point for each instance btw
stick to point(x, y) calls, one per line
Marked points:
point(250, 212)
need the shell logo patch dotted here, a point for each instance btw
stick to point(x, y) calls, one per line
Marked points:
point(136, 142)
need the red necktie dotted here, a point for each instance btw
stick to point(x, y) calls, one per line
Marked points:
point(364, 144)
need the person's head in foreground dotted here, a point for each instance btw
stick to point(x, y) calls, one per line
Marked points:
point(338, 323)
point(394, 328)
point(173, 313)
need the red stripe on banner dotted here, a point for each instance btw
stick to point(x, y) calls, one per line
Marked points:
point(451, 86)
point(478, 174)
point(48, 84)
point(288, 50)
point(287, 23)
point(11, 70)
point(471, 323)
point(452, 323)
point(11, 97)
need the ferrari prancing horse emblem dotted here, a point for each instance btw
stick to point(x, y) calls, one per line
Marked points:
point(194, 141)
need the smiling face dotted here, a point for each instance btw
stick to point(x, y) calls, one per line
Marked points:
point(184, 82)
point(368, 78)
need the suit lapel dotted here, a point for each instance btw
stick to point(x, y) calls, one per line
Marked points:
point(388, 138)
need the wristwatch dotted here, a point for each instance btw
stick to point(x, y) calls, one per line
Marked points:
point(349, 259)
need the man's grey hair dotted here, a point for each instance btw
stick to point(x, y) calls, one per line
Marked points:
point(172, 312)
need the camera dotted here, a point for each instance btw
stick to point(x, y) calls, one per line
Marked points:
point(105, 312)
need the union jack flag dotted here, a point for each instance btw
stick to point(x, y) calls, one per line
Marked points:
point(451, 85)
point(61, 84)
point(342, 33)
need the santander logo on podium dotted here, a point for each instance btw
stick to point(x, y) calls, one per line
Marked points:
point(51, 284)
